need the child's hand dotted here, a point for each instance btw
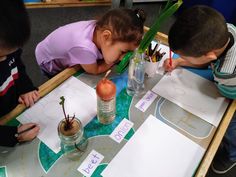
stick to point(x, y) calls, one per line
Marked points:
point(28, 135)
point(28, 99)
point(168, 67)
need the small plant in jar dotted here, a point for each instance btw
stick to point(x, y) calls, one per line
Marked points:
point(71, 134)
point(68, 125)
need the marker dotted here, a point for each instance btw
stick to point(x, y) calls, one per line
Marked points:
point(170, 61)
point(28, 129)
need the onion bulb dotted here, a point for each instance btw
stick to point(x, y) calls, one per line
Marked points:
point(106, 89)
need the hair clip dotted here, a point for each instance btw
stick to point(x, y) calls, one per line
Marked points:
point(138, 15)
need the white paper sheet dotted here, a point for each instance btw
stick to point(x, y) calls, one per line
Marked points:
point(194, 94)
point(80, 99)
point(156, 150)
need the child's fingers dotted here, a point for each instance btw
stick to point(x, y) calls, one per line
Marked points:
point(26, 102)
point(35, 96)
point(30, 101)
point(29, 135)
point(36, 93)
point(20, 100)
point(170, 68)
point(167, 65)
point(25, 126)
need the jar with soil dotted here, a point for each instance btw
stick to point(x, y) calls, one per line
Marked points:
point(73, 141)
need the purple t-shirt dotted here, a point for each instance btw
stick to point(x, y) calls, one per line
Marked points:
point(67, 46)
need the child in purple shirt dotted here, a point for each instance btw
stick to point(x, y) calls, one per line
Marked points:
point(94, 45)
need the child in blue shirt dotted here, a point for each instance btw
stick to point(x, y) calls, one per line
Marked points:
point(202, 38)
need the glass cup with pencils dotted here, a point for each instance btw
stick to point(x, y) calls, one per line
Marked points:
point(152, 57)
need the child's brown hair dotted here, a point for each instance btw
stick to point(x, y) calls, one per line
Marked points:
point(14, 24)
point(198, 30)
point(126, 25)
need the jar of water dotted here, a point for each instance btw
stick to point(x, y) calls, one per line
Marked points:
point(135, 85)
point(106, 100)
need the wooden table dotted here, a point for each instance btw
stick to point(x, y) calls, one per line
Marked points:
point(67, 3)
point(211, 149)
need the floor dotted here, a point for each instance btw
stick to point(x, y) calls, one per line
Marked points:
point(43, 21)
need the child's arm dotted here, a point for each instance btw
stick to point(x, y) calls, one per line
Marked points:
point(96, 68)
point(180, 62)
point(27, 91)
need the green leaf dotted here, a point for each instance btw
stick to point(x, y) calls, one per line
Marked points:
point(168, 4)
point(121, 67)
point(149, 36)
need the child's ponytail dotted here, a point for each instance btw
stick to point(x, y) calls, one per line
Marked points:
point(140, 14)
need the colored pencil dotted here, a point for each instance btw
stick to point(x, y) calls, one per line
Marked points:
point(28, 129)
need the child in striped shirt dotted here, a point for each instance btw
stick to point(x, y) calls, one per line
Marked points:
point(202, 38)
point(15, 85)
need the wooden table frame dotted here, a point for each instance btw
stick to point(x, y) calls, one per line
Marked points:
point(210, 152)
point(67, 3)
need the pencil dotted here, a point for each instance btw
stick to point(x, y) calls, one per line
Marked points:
point(153, 51)
point(170, 61)
point(28, 129)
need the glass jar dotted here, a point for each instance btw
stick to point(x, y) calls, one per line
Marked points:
point(135, 85)
point(73, 145)
point(106, 110)
point(106, 100)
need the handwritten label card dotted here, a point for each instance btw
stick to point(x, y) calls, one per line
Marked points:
point(90, 163)
point(121, 130)
point(146, 101)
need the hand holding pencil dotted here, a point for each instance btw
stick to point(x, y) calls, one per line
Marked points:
point(170, 60)
point(170, 64)
point(27, 132)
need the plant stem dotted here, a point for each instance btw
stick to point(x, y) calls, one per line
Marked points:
point(68, 120)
